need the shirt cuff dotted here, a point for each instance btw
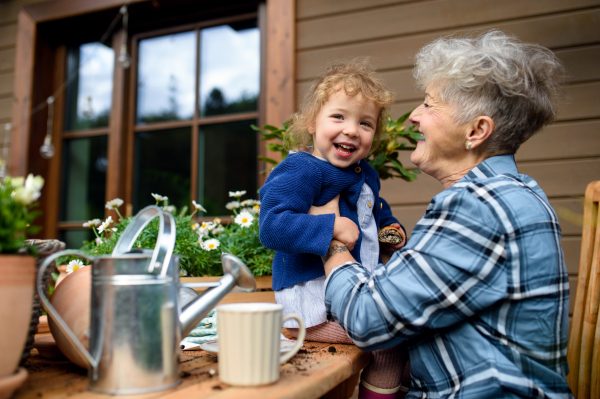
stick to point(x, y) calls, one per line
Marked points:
point(349, 263)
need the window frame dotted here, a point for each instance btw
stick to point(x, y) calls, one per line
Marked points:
point(132, 127)
point(33, 84)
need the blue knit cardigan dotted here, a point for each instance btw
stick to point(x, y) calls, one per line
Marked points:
point(299, 239)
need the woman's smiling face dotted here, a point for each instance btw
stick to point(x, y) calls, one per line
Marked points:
point(344, 129)
point(444, 144)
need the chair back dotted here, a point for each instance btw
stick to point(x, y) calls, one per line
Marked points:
point(584, 339)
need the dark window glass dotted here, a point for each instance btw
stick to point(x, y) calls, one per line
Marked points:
point(83, 178)
point(166, 78)
point(229, 68)
point(227, 163)
point(89, 93)
point(162, 166)
point(74, 238)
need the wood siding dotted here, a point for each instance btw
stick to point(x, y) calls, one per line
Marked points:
point(9, 11)
point(563, 158)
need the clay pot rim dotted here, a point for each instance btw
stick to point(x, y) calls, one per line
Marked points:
point(82, 269)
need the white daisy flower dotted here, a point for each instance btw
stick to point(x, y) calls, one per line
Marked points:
point(244, 219)
point(256, 209)
point(29, 190)
point(218, 230)
point(92, 223)
point(232, 205)
point(247, 202)
point(169, 208)
point(74, 265)
point(198, 206)
point(159, 197)
point(17, 182)
point(105, 225)
point(237, 194)
point(98, 241)
point(211, 244)
point(202, 233)
point(217, 220)
point(115, 203)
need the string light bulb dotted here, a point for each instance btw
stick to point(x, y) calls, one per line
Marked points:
point(124, 57)
point(47, 149)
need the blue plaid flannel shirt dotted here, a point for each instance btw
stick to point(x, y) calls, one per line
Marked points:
point(480, 293)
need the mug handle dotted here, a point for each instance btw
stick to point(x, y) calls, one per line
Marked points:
point(299, 342)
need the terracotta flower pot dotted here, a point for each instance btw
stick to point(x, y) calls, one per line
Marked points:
point(72, 300)
point(16, 298)
point(62, 273)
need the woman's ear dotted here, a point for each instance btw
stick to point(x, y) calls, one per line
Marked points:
point(480, 129)
point(311, 128)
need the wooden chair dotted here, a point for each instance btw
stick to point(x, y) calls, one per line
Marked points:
point(584, 339)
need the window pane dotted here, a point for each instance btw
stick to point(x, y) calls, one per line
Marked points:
point(84, 179)
point(162, 166)
point(74, 238)
point(89, 93)
point(227, 163)
point(166, 78)
point(229, 68)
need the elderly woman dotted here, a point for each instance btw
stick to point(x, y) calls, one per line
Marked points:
point(480, 292)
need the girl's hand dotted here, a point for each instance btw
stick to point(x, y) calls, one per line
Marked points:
point(344, 229)
point(386, 250)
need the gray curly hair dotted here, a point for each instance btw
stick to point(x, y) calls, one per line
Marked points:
point(516, 84)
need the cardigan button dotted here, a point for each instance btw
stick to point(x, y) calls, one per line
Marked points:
point(369, 204)
point(381, 206)
point(357, 169)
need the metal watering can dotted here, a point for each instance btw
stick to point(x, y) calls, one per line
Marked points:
point(137, 322)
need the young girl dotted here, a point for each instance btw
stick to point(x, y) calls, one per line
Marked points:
point(342, 116)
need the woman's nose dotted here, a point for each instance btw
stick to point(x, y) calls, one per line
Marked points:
point(415, 116)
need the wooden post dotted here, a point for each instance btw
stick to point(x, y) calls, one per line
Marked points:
point(281, 64)
point(24, 64)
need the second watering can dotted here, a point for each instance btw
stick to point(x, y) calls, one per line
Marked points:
point(136, 319)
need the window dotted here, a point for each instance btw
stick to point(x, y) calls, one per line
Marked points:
point(88, 101)
point(103, 129)
point(194, 92)
point(196, 96)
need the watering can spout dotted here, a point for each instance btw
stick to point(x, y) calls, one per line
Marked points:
point(235, 273)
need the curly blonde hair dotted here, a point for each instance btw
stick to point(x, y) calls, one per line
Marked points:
point(355, 77)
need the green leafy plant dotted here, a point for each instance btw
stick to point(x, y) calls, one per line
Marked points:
point(17, 200)
point(199, 243)
point(383, 158)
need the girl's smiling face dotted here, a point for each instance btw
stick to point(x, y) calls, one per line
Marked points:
point(444, 145)
point(344, 128)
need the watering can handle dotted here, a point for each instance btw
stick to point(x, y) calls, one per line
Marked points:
point(164, 243)
point(64, 328)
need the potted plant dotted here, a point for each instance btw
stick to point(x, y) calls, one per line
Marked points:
point(17, 267)
point(199, 242)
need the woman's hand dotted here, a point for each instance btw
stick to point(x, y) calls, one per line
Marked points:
point(386, 250)
point(344, 229)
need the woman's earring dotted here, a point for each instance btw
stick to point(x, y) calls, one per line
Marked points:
point(468, 145)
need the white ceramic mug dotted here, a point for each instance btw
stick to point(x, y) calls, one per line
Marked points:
point(249, 342)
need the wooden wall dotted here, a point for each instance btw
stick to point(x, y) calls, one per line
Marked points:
point(563, 158)
point(8, 36)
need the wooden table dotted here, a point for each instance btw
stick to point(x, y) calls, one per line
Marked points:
point(317, 370)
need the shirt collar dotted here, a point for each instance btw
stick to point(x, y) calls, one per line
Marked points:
point(500, 164)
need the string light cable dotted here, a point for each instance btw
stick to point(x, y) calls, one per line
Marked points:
point(47, 149)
